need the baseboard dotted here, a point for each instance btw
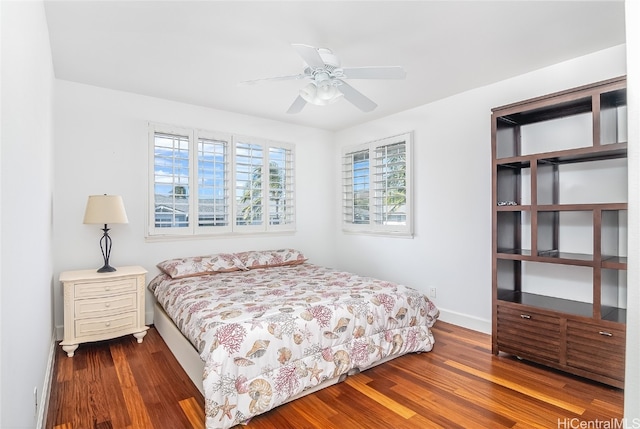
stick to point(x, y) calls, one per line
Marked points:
point(48, 380)
point(466, 321)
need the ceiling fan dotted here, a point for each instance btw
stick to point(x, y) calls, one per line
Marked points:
point(327, 78)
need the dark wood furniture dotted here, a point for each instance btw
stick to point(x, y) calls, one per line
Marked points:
point(559, 173)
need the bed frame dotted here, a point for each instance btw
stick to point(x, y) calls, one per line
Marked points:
point(184, 352)
point(189, 358)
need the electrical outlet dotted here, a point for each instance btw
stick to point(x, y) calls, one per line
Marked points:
point(432, 292)
point(35, 399)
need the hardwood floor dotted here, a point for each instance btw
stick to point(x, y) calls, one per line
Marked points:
point(460, 384)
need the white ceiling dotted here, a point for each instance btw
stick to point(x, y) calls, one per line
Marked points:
point(197, 51)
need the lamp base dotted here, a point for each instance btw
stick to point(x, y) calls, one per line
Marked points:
point(105, 248)
point(106, 269)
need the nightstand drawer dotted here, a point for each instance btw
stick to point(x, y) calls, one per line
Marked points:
point(96, 307)
point(102, 288)
point(106, 326)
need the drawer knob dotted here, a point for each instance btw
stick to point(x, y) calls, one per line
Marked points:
point(107, 305)
point(107, 324)
point(107, 288)
point(605, 333)
point(525, 316)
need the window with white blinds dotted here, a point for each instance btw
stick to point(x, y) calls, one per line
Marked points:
point(376, 183)
point(281, 200)
point(249, 189)
point(171, 166)
point(213, 183)
point(241, 184)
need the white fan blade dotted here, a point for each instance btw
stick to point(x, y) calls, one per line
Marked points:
point(310, 55)
point(297, 105)
point(254, 81)
point(391, 72)
point(356, 97)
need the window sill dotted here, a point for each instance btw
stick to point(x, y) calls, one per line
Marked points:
point(228, 235)
point(394, 234)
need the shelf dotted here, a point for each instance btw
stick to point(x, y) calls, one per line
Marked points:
point(550, 257)
point(562, 207)
point(582, 154)
point(614, 262)
point(581, 207)
point(516, 208)
point(609, 262)
point(618, 315)
point(592, 153)
point(546, 302)
point(554, 255)
point(515, 162)
point(547, 113)
point(518, 252)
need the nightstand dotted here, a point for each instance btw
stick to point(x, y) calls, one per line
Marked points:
point(101, 306)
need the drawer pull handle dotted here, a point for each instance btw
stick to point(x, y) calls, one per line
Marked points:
point(107, 305)
point(107, 288)
point(107, 324)
point(525, 316)
point(605, 333)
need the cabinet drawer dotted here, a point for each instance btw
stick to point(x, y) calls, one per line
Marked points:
point(105, 327)
point(529, 334)
point(596, 348)
point(102, 288)
point(96, 307)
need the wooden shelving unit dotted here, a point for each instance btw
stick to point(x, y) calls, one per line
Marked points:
point(559, 174)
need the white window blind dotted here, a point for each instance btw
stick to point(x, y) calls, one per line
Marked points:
point(213, 183)
point(249, 190)
point(355, 198)
point(171, 169)
point(376, 181)
point(390, 186)
point(281, 201)
point(241, 184)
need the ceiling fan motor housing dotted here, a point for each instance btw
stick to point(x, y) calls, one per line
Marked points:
point(330, 60)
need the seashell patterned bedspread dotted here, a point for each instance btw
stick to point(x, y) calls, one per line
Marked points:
point(267, 334)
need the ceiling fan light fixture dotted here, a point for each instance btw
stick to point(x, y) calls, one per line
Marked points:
point(326, 91)
point(320, 95)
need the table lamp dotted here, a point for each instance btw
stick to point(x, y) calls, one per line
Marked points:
point(103, 210)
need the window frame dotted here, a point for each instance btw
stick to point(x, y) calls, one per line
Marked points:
point(374, 211)
point(194, 229)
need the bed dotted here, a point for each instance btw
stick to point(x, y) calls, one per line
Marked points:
point(257, 329)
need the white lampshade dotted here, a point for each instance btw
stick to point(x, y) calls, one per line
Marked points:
point(105, 209)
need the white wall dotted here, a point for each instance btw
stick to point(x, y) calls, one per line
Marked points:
point(451, 250)
point(632, 374)
point(26, 187)
point(101, 146)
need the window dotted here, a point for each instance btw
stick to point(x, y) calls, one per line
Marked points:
point(212, 183)
point(376, 183)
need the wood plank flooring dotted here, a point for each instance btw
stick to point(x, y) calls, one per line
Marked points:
point(460, 384)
